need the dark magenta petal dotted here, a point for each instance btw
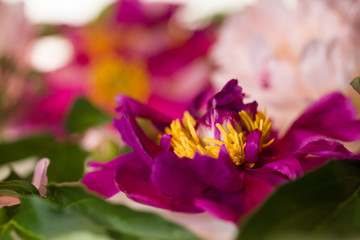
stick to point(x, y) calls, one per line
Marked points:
point(251, 150)
point(289, 167)
point(176, 176)
point(141, 110)
point(316, 153)
point(102, 179)
point(134, 136)
point(225, 107)
point(133, 178)
point(333, 116)
point(257, 188)
point(231, 206)
point(231, 97)
point(224, 205)
point(220, 173)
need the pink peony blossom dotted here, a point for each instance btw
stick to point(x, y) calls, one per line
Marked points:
point(287, 56)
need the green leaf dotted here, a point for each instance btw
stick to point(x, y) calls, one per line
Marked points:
point(83, 115)
point(356, 84)
point(67, 163)
point(67, 160)
point(17, 188)
point(324, 204)
point(37, 145)
point(38, 218)
point(118, 218)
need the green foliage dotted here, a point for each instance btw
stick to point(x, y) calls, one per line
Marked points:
point(83, 115)
point(70, 212)
point(117, 218)
point(67, 163)
point(356, 84)
point(38, 145)
point(324, 204)
point(17, 188)
point(67, 159)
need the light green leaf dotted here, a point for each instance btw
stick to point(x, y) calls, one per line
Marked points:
point(324, 204)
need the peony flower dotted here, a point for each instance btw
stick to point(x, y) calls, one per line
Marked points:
point(39, 180)
point(224, 162)
point(139, 49)
point(295, 52)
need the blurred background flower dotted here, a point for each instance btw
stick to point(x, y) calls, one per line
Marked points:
point(286, 54)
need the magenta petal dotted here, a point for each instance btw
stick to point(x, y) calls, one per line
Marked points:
point(289, 167)
point(251, 150)
point(141, 110)
point(133, 178)
point(175, 176)
point(256, 190)
point(168, 62)
point(219, 172)
point(165, 142)
point(319, 152)
point(134, 136)
point(102, 180)
point(220, 204)
point(333, 116)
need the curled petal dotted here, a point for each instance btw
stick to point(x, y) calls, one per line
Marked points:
point(289, 167)
point(319, 152)
point(141, 110)
point(40, 178)
point(135, 137)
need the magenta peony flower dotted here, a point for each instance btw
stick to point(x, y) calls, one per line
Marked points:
point(224, 162)
point(139, 49)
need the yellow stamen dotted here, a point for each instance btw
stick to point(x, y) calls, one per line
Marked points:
point(186, 142)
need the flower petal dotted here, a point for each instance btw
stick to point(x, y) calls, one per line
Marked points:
point(134, 136)
point(224, 205)
point(219, 172)
point(289, 167)
point(168, 62)
point(102, 180)
point(318, 152)
point(138, 109)
point(40, 178)
point(251, 150)
point(333, 116)
point(133, 178)
point(176, 176)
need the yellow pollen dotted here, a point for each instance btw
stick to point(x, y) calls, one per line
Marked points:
point(112, 75)
point(186, 142)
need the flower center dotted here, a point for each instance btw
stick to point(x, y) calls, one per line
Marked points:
point(113, 75)
point(186, 142)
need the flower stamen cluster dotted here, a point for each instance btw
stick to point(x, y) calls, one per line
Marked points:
point(185, 141)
